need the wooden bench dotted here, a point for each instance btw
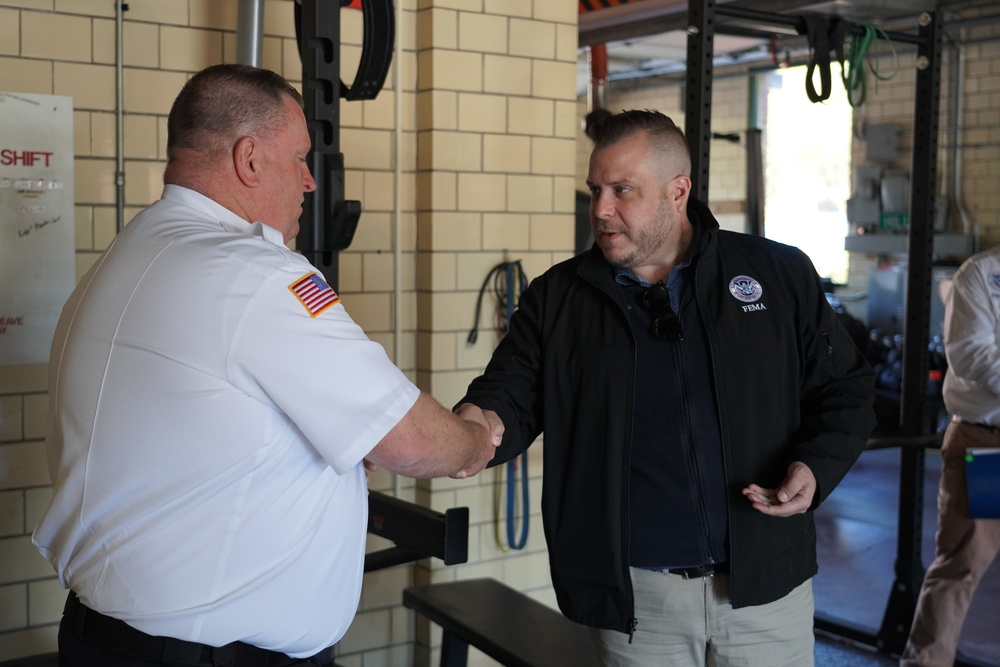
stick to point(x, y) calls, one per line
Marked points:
point(505, 624)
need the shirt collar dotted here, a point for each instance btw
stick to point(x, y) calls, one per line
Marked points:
point(215, 210)
point(626, 276)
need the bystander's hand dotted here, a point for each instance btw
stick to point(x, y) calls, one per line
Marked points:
point(794, 496)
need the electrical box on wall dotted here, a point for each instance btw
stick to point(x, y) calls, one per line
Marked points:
point(882, 142)
point(895, 191)
point(37, 230)
point(865, 204)
point(880, 195)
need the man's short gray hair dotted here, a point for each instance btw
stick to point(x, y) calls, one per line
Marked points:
point(223, 103)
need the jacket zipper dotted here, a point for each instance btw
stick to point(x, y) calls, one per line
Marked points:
point(723, 431)
point(633, 622)
point(695, 470)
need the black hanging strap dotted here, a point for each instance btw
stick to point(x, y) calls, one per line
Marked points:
point(817, 28)
point(376, 50)
point(824, 35)
point(840, 30)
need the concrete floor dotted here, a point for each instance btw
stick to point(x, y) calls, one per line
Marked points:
point(832, 653)
point(857, 528)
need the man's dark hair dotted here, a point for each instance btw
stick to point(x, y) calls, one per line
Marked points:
point(666, 137)
point(223, 103)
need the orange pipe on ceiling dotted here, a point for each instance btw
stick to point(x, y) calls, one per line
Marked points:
point(590, 5)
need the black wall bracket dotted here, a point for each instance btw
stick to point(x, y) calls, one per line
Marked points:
point(416, 531)
point(329, 220)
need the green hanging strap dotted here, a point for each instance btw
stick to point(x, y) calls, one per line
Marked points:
point(853, 67)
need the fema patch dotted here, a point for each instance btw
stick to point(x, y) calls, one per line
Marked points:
point(995, 280)
point(745, 288)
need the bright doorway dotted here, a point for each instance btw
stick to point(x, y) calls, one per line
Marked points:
point(807, 167)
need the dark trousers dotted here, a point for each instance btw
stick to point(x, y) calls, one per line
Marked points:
point(90, 639)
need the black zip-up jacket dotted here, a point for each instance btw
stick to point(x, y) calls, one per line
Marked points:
point(791, 386)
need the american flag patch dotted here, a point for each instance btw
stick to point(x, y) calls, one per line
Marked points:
point(313, 293)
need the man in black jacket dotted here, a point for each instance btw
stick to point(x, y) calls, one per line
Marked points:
point(699, 398)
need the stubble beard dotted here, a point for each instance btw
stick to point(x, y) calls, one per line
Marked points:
point(646, 241)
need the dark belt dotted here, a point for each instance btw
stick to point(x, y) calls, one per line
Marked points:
point(990, 427)
point(120, 637)
point(701, 571)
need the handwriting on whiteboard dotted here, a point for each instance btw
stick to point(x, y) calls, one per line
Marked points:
point(36, 226)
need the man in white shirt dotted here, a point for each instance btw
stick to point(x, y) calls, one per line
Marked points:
point(971, 391)
point(212, 409)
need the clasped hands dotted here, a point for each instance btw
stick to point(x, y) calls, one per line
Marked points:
point(488, 420)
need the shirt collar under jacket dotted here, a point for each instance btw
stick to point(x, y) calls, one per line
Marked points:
point(626, 276)
point(676, 282)
point(228, 219)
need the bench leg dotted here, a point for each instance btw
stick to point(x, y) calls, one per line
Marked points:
point(454, 651)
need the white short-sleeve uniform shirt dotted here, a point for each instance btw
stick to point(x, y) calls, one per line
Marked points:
point(210, 405)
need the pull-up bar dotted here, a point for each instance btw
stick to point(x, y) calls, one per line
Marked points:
point(765, 23)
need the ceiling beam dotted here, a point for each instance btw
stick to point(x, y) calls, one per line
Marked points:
point(653, 17)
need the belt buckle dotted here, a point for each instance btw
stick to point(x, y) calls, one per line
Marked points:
point(699, 572)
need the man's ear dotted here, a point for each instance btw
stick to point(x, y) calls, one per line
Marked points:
point(246, 160)
point(678, 190)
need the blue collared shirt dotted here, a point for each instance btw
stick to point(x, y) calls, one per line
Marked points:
point(677, 281)
point(676, 457)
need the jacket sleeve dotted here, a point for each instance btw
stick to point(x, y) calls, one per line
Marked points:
point(511, 383)
point(837, 392)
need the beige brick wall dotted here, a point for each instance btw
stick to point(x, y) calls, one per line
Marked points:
point(496, 150)
point(475, 131)
point(489, 152)
point(29, 594)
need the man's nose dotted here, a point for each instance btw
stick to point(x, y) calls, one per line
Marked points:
point(601, 207)
point(308, 183)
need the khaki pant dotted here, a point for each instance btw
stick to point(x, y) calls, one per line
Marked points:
point(690, 623)
point(965, 549)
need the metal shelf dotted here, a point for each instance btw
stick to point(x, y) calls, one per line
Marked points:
point(945, 245)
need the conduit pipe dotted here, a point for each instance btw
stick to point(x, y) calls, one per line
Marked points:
point(597, 60)
point(250, 32)
point(119, 120)
point(397, 210)
point(397, 213)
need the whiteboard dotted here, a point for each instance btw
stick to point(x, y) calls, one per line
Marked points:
point(37, 235)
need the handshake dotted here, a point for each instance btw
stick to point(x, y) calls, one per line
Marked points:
point(490, 429)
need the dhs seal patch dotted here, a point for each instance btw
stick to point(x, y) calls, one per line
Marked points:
point(746, 289)
point(995, 280)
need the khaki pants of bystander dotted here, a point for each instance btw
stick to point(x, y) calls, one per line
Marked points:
point(965, 549)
